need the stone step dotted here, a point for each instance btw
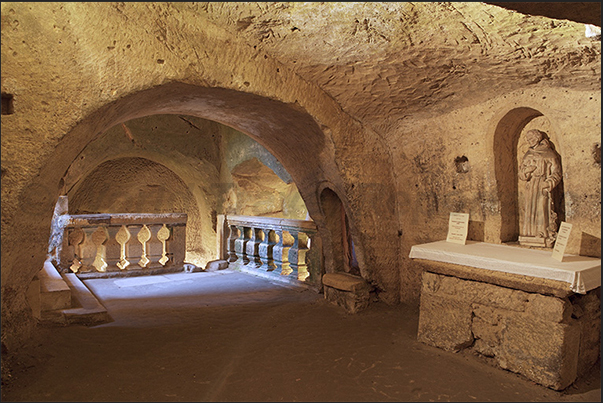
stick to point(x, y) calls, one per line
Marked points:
point(54, 292)
point(63, 299)
point(85, 309)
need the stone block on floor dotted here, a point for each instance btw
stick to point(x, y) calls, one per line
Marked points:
point(346, 290)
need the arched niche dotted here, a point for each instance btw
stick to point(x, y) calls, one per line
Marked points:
point(508, 151)
point(340, 254)
point(139, 185)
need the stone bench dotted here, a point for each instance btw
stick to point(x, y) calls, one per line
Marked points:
point(346, 290)
point(536, 326)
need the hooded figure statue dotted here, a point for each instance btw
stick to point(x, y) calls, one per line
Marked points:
point(541, 170)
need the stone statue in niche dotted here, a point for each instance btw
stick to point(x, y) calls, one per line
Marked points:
point(540, 169)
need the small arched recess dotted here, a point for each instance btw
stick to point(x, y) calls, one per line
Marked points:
point(505, 147)
point(341, 256)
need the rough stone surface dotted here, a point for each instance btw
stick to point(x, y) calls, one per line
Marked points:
point(345, 282)
point(375, 101)
point(445, 322)
point(550, 340)
point(353, 302)
point(215, 265)
point(548, 308)
point(544, 351)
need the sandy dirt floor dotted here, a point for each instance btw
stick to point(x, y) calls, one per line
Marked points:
point(231, 336)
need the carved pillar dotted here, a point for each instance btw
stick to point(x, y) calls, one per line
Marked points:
point(280, 253)
point(154, 246)
point(122, 237)
point(112, 248)
point(232, 237)
point(163, 235)
point(73, 256)
point(252, 247)
point(297, 255)
point(87, 250)
point(265, 250)
point(143, 237)
point(241, 245)
point(133, 247)
point(99, 237)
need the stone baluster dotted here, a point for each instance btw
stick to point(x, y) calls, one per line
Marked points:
point(297, 255)
point(133, 247)
point(87, 250)
point(73, 253)
point(163, 235)
point(241, 245)
point(265, 250)
point(99, 237)
point(112, 248)
point(154, 245)
point(232, 237)
point(280, 254)
point(252, 247)
point(122, 237)
point(143, 237)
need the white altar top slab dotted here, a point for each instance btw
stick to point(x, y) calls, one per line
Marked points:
point(581, 272)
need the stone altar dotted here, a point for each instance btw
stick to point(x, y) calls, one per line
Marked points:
point(529, 313)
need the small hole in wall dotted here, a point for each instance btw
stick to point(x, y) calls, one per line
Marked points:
point(7, 104)
point(160, 61)
point(597, 153)
point(462, 164)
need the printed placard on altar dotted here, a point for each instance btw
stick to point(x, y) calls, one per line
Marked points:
point(561, 242)
point(458, 226)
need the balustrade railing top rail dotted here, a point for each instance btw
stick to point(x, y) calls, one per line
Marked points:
point(84, 220)
point(272, 223)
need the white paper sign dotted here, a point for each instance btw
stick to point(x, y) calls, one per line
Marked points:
point(561, 242)
point(458, 226)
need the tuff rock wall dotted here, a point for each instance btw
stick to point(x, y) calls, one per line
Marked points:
point(375, 101)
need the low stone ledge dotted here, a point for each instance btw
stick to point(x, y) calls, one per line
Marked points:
point(346, 290)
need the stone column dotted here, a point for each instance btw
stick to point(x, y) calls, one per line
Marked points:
point(112, 249)
point(265, 250)
point(232, 237)
point(297, 255)
point(252, 247)
point(241, 245)
point(280, 254)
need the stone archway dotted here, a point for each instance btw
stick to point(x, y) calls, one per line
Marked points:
point(202, 72)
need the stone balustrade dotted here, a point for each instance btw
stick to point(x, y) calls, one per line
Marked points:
point(118, 243)
point(282, 247)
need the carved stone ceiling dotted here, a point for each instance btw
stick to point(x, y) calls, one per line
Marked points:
point(387, 61)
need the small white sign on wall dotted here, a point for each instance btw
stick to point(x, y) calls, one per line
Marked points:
point(458, 226)
point(561, 242)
